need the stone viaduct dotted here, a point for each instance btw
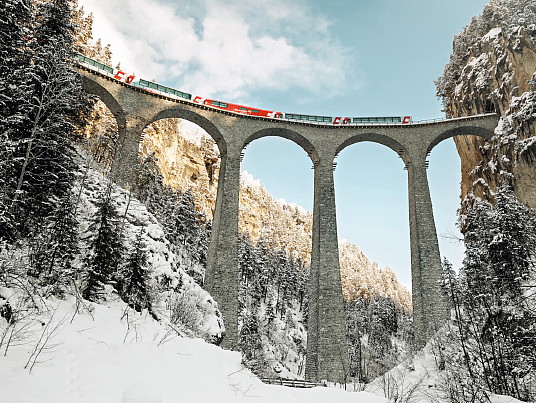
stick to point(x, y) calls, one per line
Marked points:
point(135, 109)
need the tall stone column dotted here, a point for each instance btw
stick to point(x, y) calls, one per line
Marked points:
point(430, 307)
point(327, 350)
point(222, 275)
point(125, 165)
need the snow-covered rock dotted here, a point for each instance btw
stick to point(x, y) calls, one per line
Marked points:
point(493, 68)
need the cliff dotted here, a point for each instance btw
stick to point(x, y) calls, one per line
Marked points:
point(362, 278)
point(493, 69)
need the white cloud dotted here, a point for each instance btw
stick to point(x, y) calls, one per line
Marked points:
point(222, 50)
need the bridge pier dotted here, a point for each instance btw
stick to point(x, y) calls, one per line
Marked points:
point(222, 272)
point(327, 350)
point(430, 307)
point(125, 165)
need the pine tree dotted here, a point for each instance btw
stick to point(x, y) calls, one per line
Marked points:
point(251, 345)
point(105, 249)
point(133, 277)
point(246, 261)
point(54, 248)
point(15, 88)
point(40, 173)
point(185, 227)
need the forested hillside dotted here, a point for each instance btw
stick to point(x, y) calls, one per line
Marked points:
point(64, 228)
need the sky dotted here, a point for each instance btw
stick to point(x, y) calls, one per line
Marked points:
point(331, 58)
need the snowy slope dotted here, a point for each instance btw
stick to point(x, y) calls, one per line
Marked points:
point(165, 267)
point(419, 380)
point(103, 357)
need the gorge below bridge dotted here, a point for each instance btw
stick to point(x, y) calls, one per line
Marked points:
point(327, 358)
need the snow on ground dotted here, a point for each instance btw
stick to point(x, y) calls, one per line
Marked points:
point(104, 358)
point(418, 380)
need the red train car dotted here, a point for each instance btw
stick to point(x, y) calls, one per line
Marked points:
point(237, 108)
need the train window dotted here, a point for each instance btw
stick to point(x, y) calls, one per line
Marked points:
point(254, 111)
point(243, 109)
point(183, 94)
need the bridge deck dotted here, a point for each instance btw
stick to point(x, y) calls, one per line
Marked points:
point(165, 96)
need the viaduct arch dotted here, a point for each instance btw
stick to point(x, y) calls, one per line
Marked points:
point(326, 343)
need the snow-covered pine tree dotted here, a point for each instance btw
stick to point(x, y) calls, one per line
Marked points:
point(185, 227)
point(495, 307)
point(14, 91)
point(102, 134)
point(251, 345)
point(105, 248)
point(185, 217)
point(42, 165)
point(378, 336)
point(264, 271)
point(54, 249)
point(132, 280)
point(302, 287)
point(246, 260)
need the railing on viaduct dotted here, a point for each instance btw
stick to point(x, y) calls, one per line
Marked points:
point(327, 359)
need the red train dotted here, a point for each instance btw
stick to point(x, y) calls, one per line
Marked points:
point(246, 110)
point(237, 108)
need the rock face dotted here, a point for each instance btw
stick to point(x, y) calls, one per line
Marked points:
point(281, 225)
point(188, 158)
point(493, 68)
